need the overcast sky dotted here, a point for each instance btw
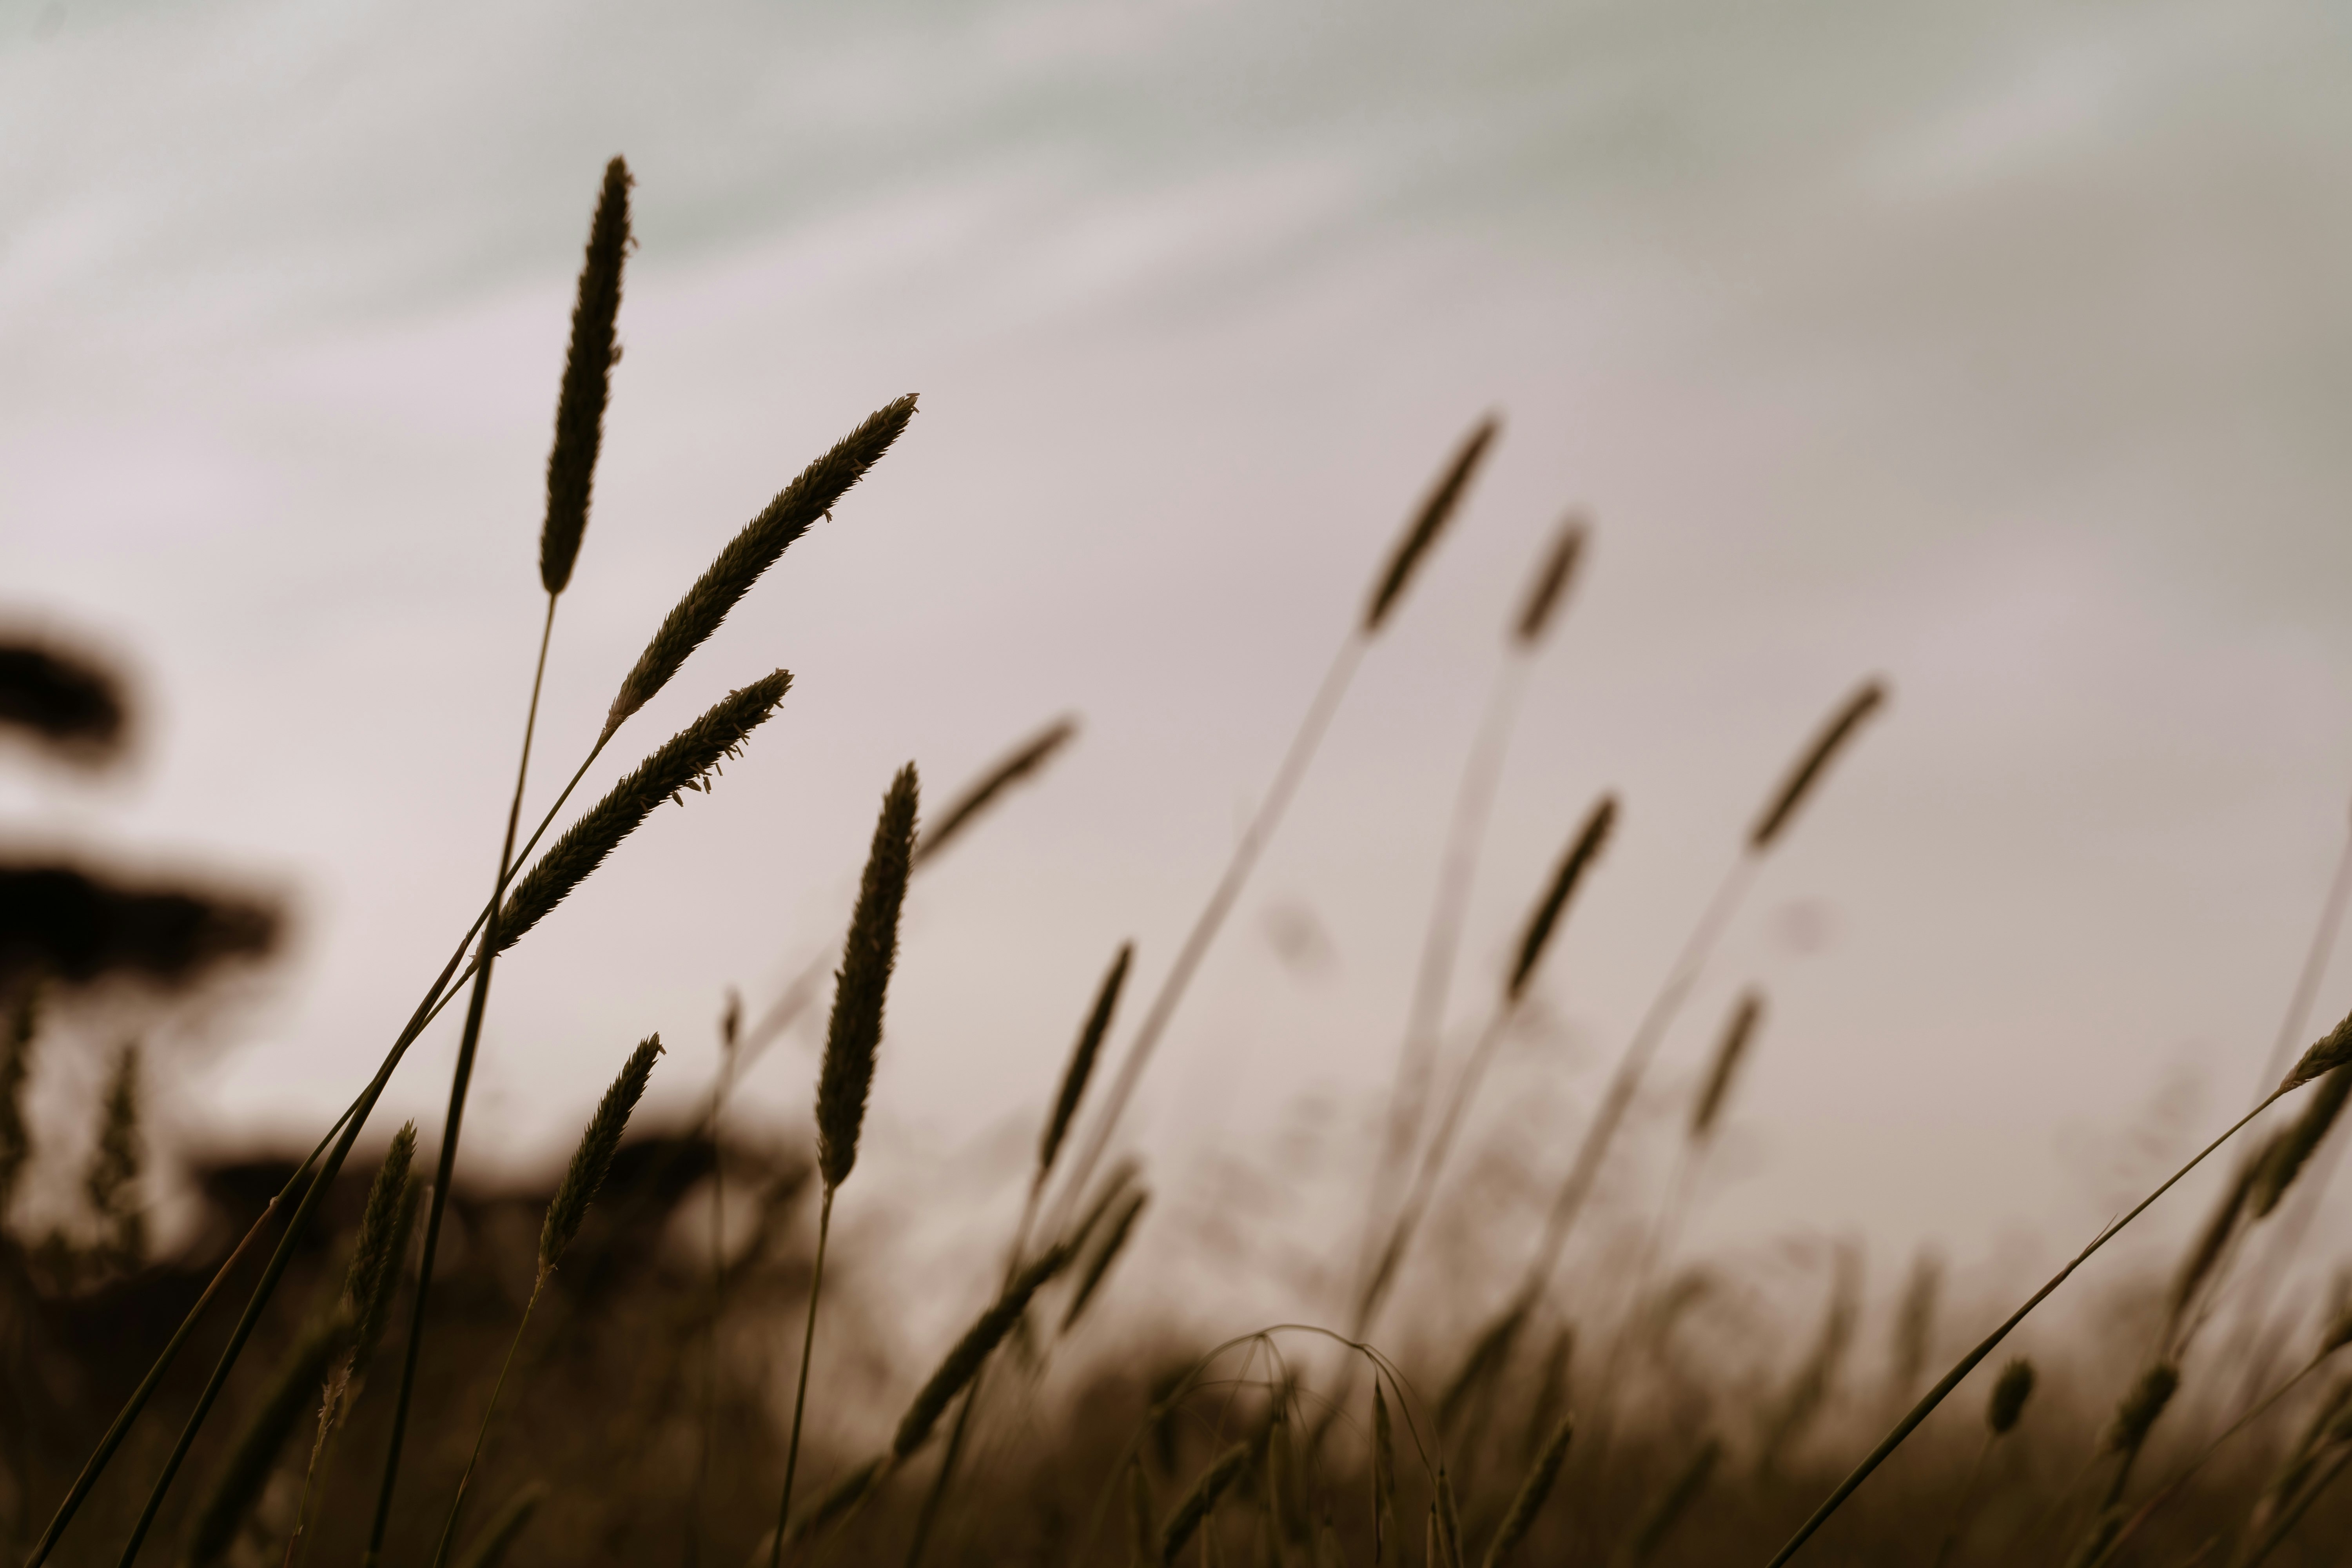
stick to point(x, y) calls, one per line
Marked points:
point(2002, 350)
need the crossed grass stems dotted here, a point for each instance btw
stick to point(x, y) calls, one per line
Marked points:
point(1087, 1222)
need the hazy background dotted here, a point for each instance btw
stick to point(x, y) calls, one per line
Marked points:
point(2001, 349)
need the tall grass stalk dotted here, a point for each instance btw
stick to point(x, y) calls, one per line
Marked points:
point(2329, 1053)
point(1466, 834)
point(1411, 549)
point(869, 956)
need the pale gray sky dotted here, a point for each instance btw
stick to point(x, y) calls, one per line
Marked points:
point(2001, 349)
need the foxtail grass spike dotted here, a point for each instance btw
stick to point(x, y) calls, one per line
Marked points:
point(1082, 1060)
point(1023, 760)
point(2301, 1139)
point(2009, 1393)
point(752, 551)
point(685, 762)
point(587, 380)
point(380, 1249)
point(1808, 771)
point(1202, 1501)
point(1728, 1053)
point(1572, 867)
point(498, 1537)
point(1098, 1265)
point(1436, 510)
point(1533, 1492)
point(2137, 1415)
point(1549, 590)
point(254, 1456)
point(593, 1160)
point(867, 956)
point(963, 1361)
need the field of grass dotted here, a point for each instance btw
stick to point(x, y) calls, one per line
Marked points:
point(362, 1356)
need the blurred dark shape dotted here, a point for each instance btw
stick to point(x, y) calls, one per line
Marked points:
point(76, 707)
point(77, 928)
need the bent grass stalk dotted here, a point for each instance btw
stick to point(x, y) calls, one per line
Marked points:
point(2329, 1053)
point(1436, 510)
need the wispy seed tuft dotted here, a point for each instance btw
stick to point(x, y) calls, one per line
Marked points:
point(684, 763)
point(1098, 1264)
point(1024, 760)
point(593, 1160)
point(1549, 589)
point(1572, 867)
point(1867, 699)
point(587, 382)
point(1436, 508)
point(868, 954)
point(752, 551)
point(2330, 1051)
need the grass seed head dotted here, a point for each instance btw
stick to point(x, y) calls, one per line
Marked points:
point(686, 761)
point(2330, 1051)
point(868, 954)
point(969, 1353)
point(752, 551)
point(1582, 853)
point(1548, 590)
point(1098, 1263)
point(111, 1181)
point(380, 1248)
point(1866, 700)
point(593, 1160)
point(2135, 1416)
point(1082, 1060)
point(587, 382)
point(1202, 1501)
point(1436, 508)
point(253, 1457)
point(2009, 1393)
point(1023, 760)
point(2287, 1153)
point(1532, 1493)
point(1745, 1016)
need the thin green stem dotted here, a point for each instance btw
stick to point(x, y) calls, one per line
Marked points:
point(800, 1399)
point(482, 1433)
point(460, 1082)
point(1968, 1363)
